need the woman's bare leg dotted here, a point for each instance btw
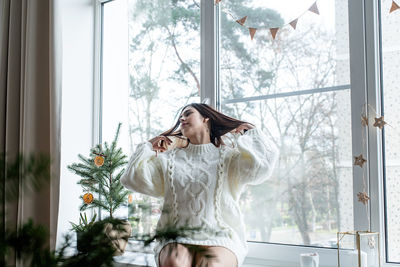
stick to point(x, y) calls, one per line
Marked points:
point(220, 257)
point(175, 255)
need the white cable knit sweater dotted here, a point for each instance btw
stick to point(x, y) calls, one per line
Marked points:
point(201, 186)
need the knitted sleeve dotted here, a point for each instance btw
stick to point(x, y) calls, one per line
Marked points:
point(253, 159)
point(144, 173)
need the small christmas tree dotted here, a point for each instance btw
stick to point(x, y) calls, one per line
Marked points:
point(100, 177)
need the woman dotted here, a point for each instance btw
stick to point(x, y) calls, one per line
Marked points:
point(201, 182)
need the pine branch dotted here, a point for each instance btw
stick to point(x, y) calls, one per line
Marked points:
point(120, 201)
point(103, 180)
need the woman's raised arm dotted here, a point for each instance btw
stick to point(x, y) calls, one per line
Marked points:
point(253, 159)
point(144, 173)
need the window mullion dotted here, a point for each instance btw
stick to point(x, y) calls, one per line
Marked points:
point(97, 81)
point(374, 134)
point(358, 100)
point(96, 104)
point(208, 68)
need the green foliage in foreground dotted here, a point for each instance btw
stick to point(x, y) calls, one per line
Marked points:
point(30, 241)
point(96, 248)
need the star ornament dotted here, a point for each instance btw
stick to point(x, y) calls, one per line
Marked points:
point(364, 120)
point(359, 160)
point(371, 242)
point(363, 197)
point(379, 122)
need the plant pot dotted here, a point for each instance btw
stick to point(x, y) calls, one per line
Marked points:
point(79, 244)
point(119, 237)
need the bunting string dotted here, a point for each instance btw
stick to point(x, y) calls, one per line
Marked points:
point(273, 30)
point(394, 6)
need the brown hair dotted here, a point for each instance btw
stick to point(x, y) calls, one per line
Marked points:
point(220, 124)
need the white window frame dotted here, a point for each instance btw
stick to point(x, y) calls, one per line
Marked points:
point(365, 79)
point(97, 78)
point(375, 137)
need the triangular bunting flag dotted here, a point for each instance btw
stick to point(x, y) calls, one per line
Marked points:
point(314, 8)
point(293, 23)
point(394, 7)
point(217, 2)
point(273, 32)
point(242, 20)
point(252, 32)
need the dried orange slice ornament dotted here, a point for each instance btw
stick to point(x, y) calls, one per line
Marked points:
point(99, 161)
point(88, 198)
point(130, 198)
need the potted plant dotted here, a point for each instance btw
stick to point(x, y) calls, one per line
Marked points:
point(81, 228)
point(100, 179)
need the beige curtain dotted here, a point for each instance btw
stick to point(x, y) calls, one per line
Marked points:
point(30, 100)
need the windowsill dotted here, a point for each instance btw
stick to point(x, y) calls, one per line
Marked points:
point(139, 259)
point(276, 256)
point(135, 255)
point(136, 259)
point(273, 256)
point(130, 258)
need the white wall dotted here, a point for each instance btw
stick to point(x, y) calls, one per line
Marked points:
point(77, 94)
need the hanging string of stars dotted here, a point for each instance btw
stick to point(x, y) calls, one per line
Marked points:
point(359, 160)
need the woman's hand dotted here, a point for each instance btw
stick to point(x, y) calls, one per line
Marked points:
point(160, 143)
point(243, 127)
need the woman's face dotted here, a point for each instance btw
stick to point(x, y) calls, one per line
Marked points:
point(192, 122)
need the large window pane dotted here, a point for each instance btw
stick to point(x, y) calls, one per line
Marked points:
point(391, 95)
point(164, 75)
point(301, 59)
point(114, 79)
point(309, 197)
point(150, 68)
